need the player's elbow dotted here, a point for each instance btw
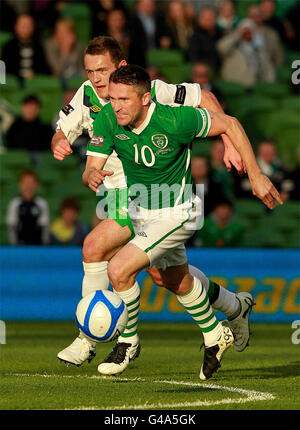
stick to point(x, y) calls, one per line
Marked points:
point(209, 101)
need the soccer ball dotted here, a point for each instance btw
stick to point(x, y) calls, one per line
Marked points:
point(102, 316)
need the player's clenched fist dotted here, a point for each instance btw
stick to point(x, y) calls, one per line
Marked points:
point(60, 146)
point(96, 177)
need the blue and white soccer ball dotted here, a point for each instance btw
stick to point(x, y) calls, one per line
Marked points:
point(102, 315)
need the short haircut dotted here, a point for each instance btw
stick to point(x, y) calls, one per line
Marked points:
point(28, 172)
point(31, 99)
point(70, 203)
point(132, 75)
point(101, 45)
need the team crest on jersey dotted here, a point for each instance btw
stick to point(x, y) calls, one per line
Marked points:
point(159, 140)
point(97, 141)
point(95, 109)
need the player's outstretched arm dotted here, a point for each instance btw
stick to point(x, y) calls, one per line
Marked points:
point(231, 155)
point(93, 174)
point(60, 146)
point(262, 187)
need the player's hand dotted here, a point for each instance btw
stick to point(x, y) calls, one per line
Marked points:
point(62, 149)
point(232, 157)
point(96, 177)
point(263, 189)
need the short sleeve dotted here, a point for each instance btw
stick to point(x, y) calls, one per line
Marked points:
point(184, 94)
point(194, 122)
point(73, 118)
point(101, 144)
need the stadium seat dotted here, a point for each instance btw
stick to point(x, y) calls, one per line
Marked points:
point(5, 36)
point(273, 90)
point(284, 74)
point(15, 159)
point(43, 83)
point(284, 128)
point(75, 83)
point(169, 63)
point(253, 111)
point(253, 210)
point(291, 103)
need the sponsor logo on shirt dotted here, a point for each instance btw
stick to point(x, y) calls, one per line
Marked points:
point(122, 137)
point(95, 108)
point(97, 141)
point(159, 140)
point(67, 109)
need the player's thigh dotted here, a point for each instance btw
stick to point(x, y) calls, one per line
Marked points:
point(106, 239)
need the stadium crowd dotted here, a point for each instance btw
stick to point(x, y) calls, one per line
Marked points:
point(211, 37)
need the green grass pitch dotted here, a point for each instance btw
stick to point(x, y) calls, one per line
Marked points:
point(165, 376)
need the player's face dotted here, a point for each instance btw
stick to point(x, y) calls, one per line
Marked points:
point(99, 69)
point(128, 104)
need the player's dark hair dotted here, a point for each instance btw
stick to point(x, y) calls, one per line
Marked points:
point(102, 44)
point(132, 75)
point(31, 99)
point(70, 203)
point(28, 172)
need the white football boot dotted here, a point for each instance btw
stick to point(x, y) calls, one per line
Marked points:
point(240, 325)
point(79, 351)
point(119, 358)
point(214, 354)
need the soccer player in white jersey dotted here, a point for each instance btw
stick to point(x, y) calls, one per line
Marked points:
point(161, 223)
point(103, 56)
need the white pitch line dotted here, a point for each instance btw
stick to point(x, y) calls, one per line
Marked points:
point(251, 395)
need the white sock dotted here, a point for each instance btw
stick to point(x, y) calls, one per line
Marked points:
point(131, 298)
point(197, 304)
point(95, 277)
point(227, 302)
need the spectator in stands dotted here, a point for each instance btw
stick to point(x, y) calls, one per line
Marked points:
point(147, 31)
point(290, 186)
point(219, 170)
point(202, 45)
point(23, 55)
point(100, 10)
point(27, 131)
point(267, 8)
point(64, 52)
point(201, 75)
point(179, 27)
point(242, 61)
point(227, 21)
point(270, 165)
point(220, 229)
point(292, 27)
point(266, 39)
point(202, 175)
point(68, 229)
point(117, 28)
point(27, 216)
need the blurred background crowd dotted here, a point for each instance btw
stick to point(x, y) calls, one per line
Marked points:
point(244, 51)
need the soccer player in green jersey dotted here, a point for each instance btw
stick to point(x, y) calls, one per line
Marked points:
point(153, 142)
point(102, 56)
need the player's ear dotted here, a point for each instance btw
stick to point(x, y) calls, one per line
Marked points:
point(146, 98)
point(122, 63)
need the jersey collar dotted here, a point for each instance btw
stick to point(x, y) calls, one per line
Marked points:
point(146, 120)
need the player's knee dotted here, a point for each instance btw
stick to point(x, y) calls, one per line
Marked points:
point(117, 275)
point(91, 251)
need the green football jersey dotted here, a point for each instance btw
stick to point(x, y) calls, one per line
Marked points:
point(156, 155)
